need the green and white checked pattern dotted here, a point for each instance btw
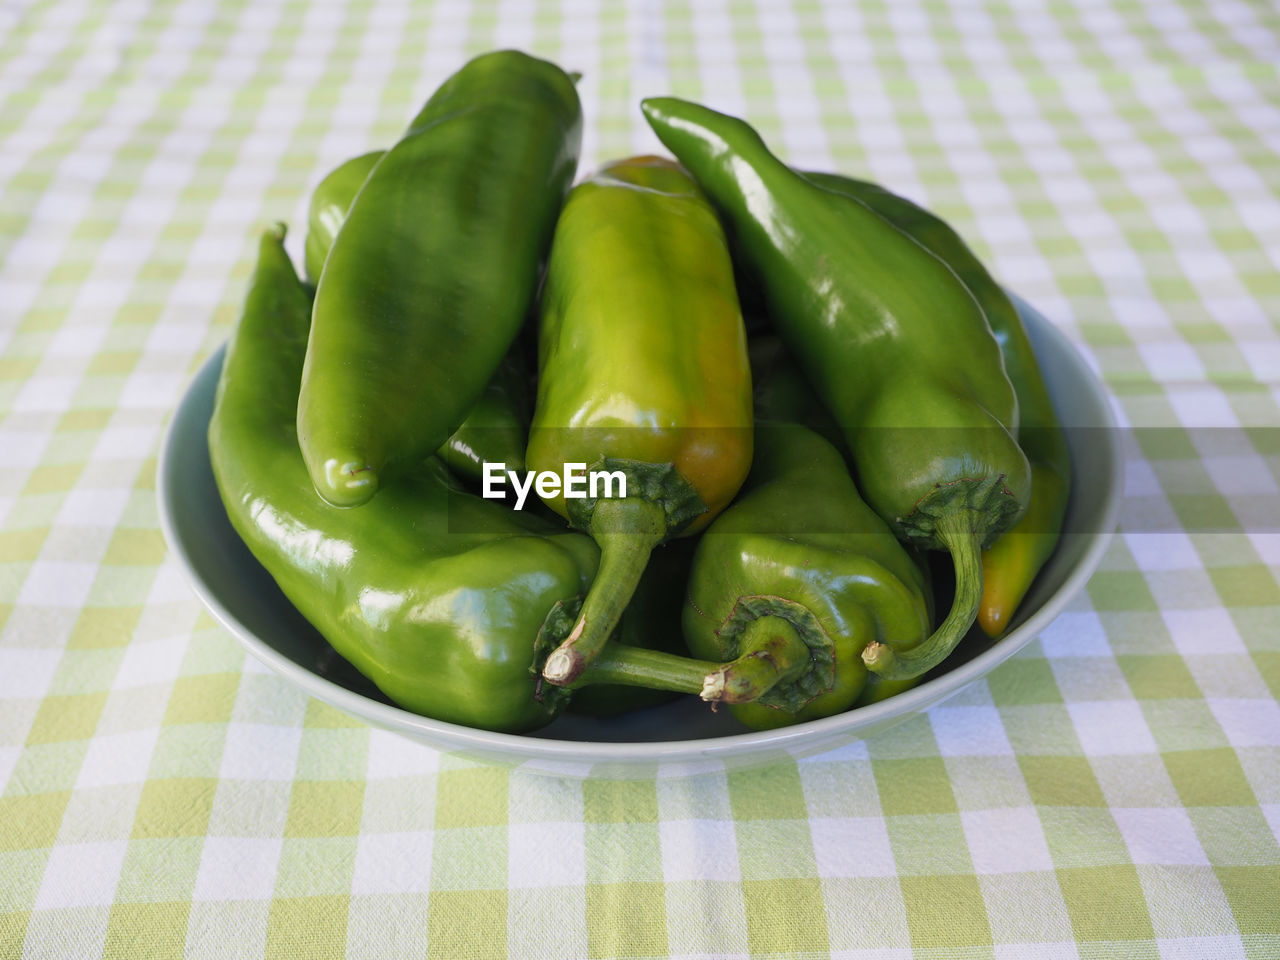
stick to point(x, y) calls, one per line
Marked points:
point(1113, 791)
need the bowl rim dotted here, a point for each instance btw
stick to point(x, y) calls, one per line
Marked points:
point(451, 736)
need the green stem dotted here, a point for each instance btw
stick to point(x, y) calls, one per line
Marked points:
point(771, 653)
point(962, 534)
point(627, 530)
point(638, 667)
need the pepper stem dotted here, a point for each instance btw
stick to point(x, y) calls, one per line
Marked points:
point(962, 534)
point(626, 530)
point(771, 653)
point(637, 667)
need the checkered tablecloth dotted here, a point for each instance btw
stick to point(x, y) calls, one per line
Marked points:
point(1112, 791)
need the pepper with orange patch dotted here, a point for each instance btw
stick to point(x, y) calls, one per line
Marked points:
point(643, 370)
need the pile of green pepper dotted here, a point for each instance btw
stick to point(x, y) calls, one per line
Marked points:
point(781, 491)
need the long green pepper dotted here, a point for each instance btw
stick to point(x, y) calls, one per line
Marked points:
point(642, 370)
point(496, 428)
point(1010, 564)
point(434, 269)
point(894, 343)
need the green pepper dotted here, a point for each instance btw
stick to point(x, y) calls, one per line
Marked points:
point(1012, 562)
point(892, 341)
point(642, 372)
point(330, 201)
point(434, 270)
point(794, 580)
point(497, 425)
point(783, 394)
point(446, 601)
point(1010, 565)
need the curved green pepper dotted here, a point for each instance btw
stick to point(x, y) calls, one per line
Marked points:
point(444, 600)
point(794, 580)
point(497, 425)
point(434, 270)
point(496, 429)
point(330, 201)
point(1010, 565)
point(642, 370)
point(893, 342)
point(1012, 562)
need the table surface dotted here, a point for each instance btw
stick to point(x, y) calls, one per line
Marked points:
point(1114, 790)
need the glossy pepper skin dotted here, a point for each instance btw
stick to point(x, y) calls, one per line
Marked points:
point(330, 201)
point(892, 341)
point(496, 428)
point(444, 623)
point(783, 394)
point(1011, 563)
point(434, 269)
point(800, 571)
point(642, 369)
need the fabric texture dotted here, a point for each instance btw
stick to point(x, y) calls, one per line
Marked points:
point(1112, 791)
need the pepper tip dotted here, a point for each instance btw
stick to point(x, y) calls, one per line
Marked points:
point(992, 620)
point(347, 482)
point(649, 106)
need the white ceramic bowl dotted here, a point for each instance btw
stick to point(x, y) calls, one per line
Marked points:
point(681, 738)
